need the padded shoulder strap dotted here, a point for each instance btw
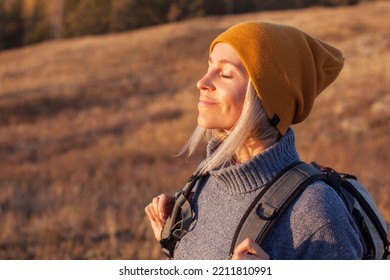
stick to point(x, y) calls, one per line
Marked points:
point(180, 218)
point(272, 201)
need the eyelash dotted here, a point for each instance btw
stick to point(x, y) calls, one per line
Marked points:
point(222, 75)
point(226, 76)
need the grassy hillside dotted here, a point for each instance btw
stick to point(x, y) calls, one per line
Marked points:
point(89, 127)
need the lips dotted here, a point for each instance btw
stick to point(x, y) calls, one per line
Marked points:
point(205, 101)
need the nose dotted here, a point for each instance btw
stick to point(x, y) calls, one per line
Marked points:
point(205, 83)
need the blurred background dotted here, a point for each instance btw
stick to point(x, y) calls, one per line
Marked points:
point(30, 21)
point(97, 97)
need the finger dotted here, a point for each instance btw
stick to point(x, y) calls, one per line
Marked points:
point(152, 215)
point(149, 212)
point(164, 206)
point(249, 250)
point(154, 208)
point(155, 223)
point(243, 246)
point(244, 256)
point(246, 246)
point(155, 202)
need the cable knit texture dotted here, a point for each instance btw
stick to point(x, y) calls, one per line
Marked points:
point(315, 226)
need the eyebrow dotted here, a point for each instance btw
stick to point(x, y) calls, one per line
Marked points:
point(224, 61)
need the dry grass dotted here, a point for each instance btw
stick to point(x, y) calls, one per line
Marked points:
point(89, 126)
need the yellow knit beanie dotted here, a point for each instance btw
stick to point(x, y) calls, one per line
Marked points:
point(288, 67)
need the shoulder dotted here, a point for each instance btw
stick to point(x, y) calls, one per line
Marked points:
point(315, 226)
point(319, 201)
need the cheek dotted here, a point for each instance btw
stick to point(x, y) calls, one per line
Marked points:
point(232, 109)
point(236, 102)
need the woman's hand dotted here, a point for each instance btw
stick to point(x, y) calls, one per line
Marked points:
point(158, 211)
point(249, 250)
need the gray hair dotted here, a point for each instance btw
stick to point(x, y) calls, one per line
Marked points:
point(252, 125)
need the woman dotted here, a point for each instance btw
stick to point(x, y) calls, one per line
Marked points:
point(261, 78)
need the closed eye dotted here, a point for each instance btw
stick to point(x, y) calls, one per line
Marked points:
point(226, 76)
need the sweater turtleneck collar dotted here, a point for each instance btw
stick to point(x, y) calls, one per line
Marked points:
point(255, 173)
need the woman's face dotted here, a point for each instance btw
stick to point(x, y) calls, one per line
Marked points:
point(222, 89)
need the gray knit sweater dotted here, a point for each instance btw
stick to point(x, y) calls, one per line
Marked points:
point(315, 226)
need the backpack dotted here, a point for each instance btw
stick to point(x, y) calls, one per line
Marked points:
point(275, 198)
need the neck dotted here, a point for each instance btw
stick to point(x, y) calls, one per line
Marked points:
point(252, 148)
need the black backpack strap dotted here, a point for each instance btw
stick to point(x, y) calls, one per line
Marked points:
point(180, 218)
point(271, 202)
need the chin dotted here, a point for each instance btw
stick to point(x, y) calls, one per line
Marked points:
point(205, 124)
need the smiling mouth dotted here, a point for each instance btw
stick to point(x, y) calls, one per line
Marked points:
point(206, 102)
